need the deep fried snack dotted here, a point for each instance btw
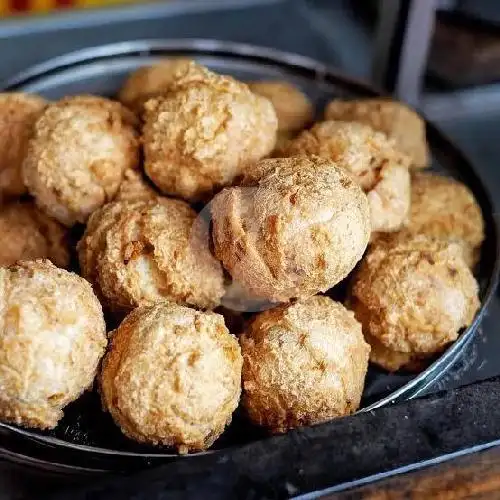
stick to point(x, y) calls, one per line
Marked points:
point(172, 377)
point(413, 296)
point(303, 364)
point(158, 79)
point(80, 149)
point(203, 136)
point(371, 158)
point(445, 208)
point(18, 113)
point(140, 253)
point(28, 234)
point(135, 187)
point(293, 108)
point(396, 120)
point(52, 337)
point(297, 231)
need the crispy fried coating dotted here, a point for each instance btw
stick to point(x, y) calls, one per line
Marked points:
point(52, 337)
point(413, 296)
point(297, 231)
point(172, 377)
point(135, 187)
point(371, 158)
point(445, 208)
point(293, 108)
point(303, 364)
point(203, 136)
point(28, 234)
point(18, 113)
point(155, 80)
point(396, 120)
point(140, 253)
point(77, 157)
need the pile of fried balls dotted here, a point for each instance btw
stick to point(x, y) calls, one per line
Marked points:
point(296, 207)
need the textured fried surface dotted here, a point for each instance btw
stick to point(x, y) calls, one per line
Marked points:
point(153, 81)
point(302, 364)
point(135, 187)
point(293, 108)
point(393, 118)
point(144, 252)
point(172, 376)
point(413, 296)
point(80, 149)
point(445, 208)
point(202, 136)
point(371, 158)
point(52, 336)
point(28, 234)
point(18, 113)
point(298, 231)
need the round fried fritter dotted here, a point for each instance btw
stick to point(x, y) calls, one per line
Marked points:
point(445, 208)
point(203, 136)
point(172, 376)
point(140, 253)
point(396, 120)
point(80, 149)
point(157, 79)
point(18, 113)
point(293, 108)
point(370, 157)
point(303, 364)
point(297, 231)
point(413, 296)
point(52, 337)
point(135, 187)
point(28, 234)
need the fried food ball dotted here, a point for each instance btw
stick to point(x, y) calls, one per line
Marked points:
point(80, 149)
point(396, 120)
point(134, 187)
point(28, 234)
point(18, 113)
point(372, 160)
point(293, 108)
point(297, 231)
point(445, 208)
point(155, 80)
point(52, 337)
point(172, 376)
point(413, 297)
point(140, 253)
point(303, 364)
point(204, 135)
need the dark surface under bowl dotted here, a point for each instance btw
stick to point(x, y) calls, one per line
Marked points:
point(86, 439)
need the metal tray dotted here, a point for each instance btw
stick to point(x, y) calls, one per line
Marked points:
point(86, 440)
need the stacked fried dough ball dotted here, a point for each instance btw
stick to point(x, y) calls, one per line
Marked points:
point(282, 230)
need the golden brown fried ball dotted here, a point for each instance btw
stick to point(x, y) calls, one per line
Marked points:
point(140, 253)
point(52, 337)
point(204, 135)
point(396, 120)
point(297, 231)
point(293, 108)
point(445, 208)
point(155, 80)
point(135, 187)
point(380, 170)
point(28, 234)
point(172, 377)
point(18, 113)
point(413, 296)
point(303, 364)
point(80, 149)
